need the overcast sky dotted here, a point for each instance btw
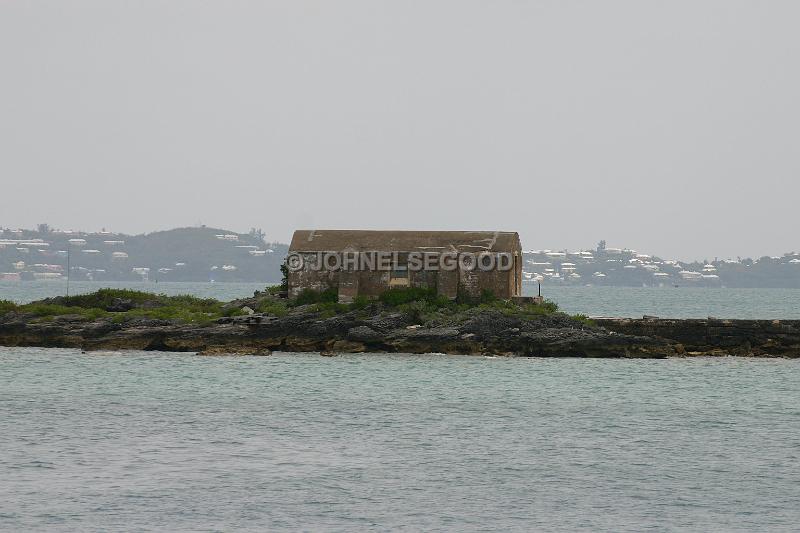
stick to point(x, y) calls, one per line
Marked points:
point(668, 127)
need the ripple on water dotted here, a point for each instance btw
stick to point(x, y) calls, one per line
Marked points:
point(172, 441)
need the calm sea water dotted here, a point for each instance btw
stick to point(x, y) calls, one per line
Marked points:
point(176, 442)
point(683, 302)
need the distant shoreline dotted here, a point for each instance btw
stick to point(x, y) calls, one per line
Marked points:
point(200, 254)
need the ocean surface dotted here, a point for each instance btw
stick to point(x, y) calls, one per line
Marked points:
point(672, 302)
point(178, 442)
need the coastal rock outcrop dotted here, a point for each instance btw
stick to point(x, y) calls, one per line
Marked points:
point(480, 331)
point(485, 332)
point(714, 336)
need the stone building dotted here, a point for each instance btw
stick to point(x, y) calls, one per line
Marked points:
point(367, 263)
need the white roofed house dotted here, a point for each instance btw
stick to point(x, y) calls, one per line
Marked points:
point(47, 275)
point(144, 272)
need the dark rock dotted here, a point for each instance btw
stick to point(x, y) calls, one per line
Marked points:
point(385, 323)
point(327, 327)
point(484, 331)
point(711, 336)
point(364, 334)
point(224, 350)
point(120, 305)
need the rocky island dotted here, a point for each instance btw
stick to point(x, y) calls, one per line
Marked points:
point(400, 321)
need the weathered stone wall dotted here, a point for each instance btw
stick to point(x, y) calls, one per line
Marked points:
point(447, 284)
point(372, 283)
point(425, 279)
point(500, 283)
point(309, 278)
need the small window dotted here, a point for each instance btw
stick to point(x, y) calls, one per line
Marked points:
point(400, 272)
point(399, 276)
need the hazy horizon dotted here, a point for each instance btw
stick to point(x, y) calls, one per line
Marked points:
point(665, 127)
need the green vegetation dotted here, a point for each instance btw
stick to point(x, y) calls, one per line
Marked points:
point(442, 312)
point(272, 307)
point(105, 298)
point(585, 319)
point(405, 295)
point(284, 286)
point(6, 306)
point(45, 310)
point(123, 304)
point(486, 297)
point(421, 305)
point(308, 296)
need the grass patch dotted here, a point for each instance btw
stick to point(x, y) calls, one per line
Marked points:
point(309, 296)
point(585, 320)
point(523, 311)
point(422, 305)
point(272, 307)
point(330, 309)
point(44, 310)
point(7, 306)
point(104, 298)
point(425, 306)
point(274, 290)
point(182, 308)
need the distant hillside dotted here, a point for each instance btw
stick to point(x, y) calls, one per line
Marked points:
point(203, 254)
point(183, 254)
point(623, 267)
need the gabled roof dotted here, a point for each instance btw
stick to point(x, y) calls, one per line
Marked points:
point(323, 240)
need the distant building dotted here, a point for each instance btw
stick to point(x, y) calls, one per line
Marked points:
point(405, 246)
point(688, 275)
point(47, 275)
